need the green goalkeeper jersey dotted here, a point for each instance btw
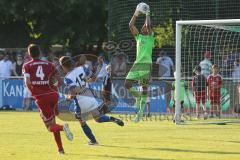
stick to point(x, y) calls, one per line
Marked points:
point(145, 45)
point(142, 65)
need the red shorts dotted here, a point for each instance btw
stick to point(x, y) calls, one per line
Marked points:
point(200, 96)
point(48, 106)
point(215, 99)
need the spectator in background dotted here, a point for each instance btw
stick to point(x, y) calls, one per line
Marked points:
point(82, 60)
point(27, 99)
point(228, 69)
point(44, 57)
point(166, 66)
point(237, 107)
point(206, 64)
point(107, 86)
point(17, 66)
point(236, 82)
point(119, 64)
point(27, 57)
point(5, 66)
point(55, 61)
point(1, 56)
point(101, 69)
point(69, 54)
point(27, 96)
point(225, 69)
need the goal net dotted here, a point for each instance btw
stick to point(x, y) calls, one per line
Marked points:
point(209, 45)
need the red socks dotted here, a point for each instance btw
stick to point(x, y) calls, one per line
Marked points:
point(58, 140)
point(55, 128)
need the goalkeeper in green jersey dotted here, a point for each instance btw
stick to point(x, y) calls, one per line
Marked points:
point(141, 69)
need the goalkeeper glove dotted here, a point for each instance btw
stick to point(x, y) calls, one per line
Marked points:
point(147, 11)
point(144, 8)
point(136, 13)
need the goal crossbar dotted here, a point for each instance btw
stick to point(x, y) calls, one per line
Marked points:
point(204, 22)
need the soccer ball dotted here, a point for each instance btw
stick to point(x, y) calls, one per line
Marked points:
point(143, 8)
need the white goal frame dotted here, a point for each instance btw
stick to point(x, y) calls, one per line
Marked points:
point(178, 39)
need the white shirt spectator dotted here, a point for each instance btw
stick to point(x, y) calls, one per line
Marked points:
point(5, 68)
point(167, 63)
point(236, 73)
point(119, 66)
point(44, 58)
point(206, 66)
point(120, 69)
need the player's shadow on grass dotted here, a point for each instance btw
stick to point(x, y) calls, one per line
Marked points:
point(176, 150)
point(233, 141)
point(194, 151)
point(203, 140)
point(133, 158)
point(120, 157)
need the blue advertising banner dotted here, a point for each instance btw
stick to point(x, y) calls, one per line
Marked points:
point(126, 101)
point(11, 93)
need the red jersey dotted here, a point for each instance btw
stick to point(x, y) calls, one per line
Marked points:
point(214, 83)
point(41, 75)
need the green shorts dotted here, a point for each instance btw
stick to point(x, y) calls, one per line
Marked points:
point(140, 72)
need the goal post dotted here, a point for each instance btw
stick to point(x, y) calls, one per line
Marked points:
point(178, 113)
point(217, 37)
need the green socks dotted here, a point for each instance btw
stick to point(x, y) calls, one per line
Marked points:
point(142, 105)
point(134, 92)
point(140, 102)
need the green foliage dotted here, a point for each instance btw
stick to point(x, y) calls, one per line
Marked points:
point(72, 23)
point(164, 34)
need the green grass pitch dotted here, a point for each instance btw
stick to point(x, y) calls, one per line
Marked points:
point(24, 137)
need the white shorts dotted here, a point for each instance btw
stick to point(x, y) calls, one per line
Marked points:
point(89, 115)
point(26, 93)
point(87, 102)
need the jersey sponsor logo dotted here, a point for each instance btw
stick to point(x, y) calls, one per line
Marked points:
point(38, 63)
point(40, 82)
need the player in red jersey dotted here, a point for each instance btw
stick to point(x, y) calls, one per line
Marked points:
point(38, 77)
point(215, 83)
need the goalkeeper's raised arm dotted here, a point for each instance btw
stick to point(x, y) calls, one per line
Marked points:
point(148, 23)
point(132, 26)
point(142, 8)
